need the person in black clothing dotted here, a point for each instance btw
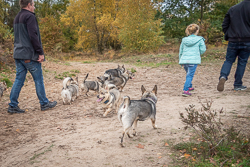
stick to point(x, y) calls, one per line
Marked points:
point(236, 26)
point(28, 55)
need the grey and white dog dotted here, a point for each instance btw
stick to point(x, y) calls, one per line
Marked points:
point(70, 91)
point(132, 111)
point(115, 72)
point(3, 87)
point(90, 85)
point(109, 97)
point(120, 81)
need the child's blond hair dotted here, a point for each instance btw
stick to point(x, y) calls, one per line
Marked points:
point(192, 29)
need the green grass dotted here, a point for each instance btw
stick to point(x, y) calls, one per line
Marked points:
point(63, 75)
point(232, 152)
point(37, 155)
point(87, 62)
point(8, 82)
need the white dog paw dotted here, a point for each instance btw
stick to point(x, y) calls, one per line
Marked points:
point(122, 145)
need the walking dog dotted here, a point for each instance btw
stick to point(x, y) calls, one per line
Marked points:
point(109, 98)
point(69, 92)
point(3, 87)
point(132, 111)
point(115, 72)
point(120, 81)
point(90, 85)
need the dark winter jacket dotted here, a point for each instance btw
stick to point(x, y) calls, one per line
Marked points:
point(27, 39)
point(236, 24)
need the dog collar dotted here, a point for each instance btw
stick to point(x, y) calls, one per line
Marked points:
point(106, 101)
point(151, 99)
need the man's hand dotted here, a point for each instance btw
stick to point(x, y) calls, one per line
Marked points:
point(40, 58)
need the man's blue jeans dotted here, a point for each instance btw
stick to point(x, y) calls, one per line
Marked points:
point(234, 50)
point(190, 70)
point(35, 69)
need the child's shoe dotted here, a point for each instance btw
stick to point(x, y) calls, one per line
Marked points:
point(186, 93)
point(190, 89)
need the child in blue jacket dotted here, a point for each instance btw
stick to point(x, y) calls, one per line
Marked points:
point(190, 52)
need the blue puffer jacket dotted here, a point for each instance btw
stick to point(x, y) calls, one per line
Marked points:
point(191, 48)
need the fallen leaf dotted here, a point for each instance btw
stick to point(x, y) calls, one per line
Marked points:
point(160, 157)
point(183, 151)
point(187, 155)
point(140, 146)
point(26, 110)
point(18, 130)
point(194, 149)
point(166, 144)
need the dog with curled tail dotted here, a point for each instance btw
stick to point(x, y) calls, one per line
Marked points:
point(132, 111)
point(70, 91)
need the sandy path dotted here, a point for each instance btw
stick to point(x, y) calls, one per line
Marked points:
point(78, 134)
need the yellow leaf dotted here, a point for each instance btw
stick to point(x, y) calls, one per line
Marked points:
point(194, 149)
point(166, 144)
point(187, 155)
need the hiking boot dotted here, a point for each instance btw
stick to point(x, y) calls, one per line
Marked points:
point(16, 109)
point(190, 89)
point(220, 86)
point(49, 105)
point(240, 87)
point(186, 93)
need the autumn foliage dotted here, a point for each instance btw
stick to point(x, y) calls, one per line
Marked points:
point(100, 24)
point(51, 34)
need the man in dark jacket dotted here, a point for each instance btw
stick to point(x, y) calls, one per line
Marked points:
point(28, 55)
point(236, 26)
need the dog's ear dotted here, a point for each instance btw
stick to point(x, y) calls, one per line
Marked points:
point(143, 89)
point(107, 88)
point(109, 77)
point(155, 90)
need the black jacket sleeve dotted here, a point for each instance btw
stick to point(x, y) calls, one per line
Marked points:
point(34, 38)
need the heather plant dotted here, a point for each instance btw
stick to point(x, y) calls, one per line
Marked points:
point(216, 143)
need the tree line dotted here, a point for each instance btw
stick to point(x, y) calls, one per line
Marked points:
point(131, 25)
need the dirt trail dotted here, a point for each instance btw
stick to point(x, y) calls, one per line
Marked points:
point(78, 134)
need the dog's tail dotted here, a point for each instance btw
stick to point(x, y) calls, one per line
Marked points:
point(65, 81)
point(123, 107)
point(85, 78)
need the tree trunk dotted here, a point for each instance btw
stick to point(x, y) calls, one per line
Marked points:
point(202, 6)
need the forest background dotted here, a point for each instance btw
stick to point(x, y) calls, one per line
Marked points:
point(95, 26)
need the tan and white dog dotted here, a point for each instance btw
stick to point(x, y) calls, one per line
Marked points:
point(109, 97)
point(70, 91)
